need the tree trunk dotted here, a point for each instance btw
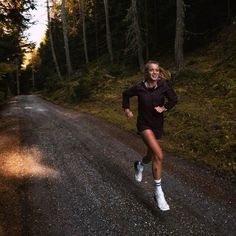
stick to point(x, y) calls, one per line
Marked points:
point(179, 36)
point(96, 28)
point(33, 77)
point(65, 33)
point(17, 77)
point(108, 32)
point(52, 44)
point(156, 25)
point(146, 30)
point(84, 31)
point(228, 10)
point(138, 35)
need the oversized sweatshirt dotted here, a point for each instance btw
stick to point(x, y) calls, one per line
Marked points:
point(148, 98)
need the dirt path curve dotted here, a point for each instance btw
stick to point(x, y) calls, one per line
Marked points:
point(66, 173)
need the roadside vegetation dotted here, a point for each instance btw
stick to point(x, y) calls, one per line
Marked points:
point(93, 50)
point(200, 128)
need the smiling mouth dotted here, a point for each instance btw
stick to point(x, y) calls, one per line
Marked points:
point(154, 76)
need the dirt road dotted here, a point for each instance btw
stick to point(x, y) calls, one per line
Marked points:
point(65, 173)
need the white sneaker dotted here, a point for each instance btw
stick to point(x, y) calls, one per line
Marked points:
point(138, 168)
point(161, 201)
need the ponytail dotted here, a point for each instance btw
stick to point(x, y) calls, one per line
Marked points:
point(164, 74)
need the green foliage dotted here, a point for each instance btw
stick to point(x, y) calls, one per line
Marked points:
point(14, 20)
point(6, 68)
point(115, 70)
point(201, 127)
point(70, 90)
point(84, 88)
point(192, 75)
point(66, 92)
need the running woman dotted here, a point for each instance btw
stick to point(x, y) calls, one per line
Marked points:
point(155, 97)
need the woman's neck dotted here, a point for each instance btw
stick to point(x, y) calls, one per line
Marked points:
point(150, 83)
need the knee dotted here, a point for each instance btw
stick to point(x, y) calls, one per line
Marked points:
point(158, 158)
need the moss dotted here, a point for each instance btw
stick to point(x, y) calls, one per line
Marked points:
point(201, 127)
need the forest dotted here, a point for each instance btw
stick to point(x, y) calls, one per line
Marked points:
point(94, 49)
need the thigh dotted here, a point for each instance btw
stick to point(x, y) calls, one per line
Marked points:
point(150, 140)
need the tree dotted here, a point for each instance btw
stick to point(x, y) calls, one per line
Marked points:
point(52, 44)
point(179, 36)
point(65, 35)
point(229, 10)
point(108, 31)
point(146, 30)
point(96, 27)
point(134, 33)
point(84, 30)
point(13, 21)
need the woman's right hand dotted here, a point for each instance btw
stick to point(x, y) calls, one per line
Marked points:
point(128, 113)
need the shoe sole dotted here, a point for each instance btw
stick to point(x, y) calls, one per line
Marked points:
point(155, 199)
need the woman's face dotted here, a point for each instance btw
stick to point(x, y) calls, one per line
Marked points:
point(153, 72)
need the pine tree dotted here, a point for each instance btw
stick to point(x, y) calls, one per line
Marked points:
point(52, 43)
point(108, 31)
point(82, 7)
point(179, 36)
point(134, 38)
point(65, 35)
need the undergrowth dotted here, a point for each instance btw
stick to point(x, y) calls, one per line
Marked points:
point(201, 127)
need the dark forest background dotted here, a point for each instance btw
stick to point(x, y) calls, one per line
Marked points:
point(93, 49)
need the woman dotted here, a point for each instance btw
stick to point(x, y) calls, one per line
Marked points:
point(155, 97)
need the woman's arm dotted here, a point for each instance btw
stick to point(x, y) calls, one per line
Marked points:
point(171, 98)
point(126, 95)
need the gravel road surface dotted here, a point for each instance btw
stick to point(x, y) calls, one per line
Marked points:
point(66, 173)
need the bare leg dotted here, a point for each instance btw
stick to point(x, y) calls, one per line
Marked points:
point(139, 166)
point(154, 152)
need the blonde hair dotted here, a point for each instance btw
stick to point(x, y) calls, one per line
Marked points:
point(164, 74)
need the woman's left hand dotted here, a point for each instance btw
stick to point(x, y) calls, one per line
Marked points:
point(160, 109)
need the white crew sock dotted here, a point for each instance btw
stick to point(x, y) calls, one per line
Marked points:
point(158, 188)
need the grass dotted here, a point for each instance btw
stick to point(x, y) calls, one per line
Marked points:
point(201, 127)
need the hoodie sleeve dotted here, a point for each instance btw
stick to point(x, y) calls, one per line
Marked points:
point(127, 94)
point(171, 97)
